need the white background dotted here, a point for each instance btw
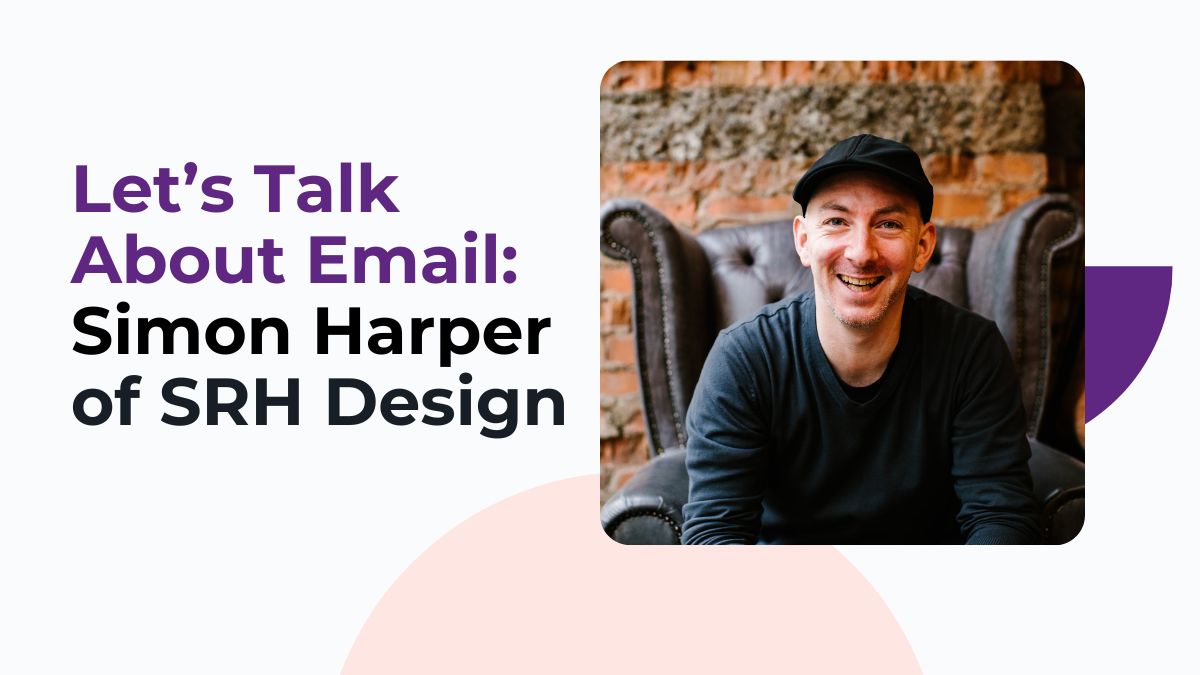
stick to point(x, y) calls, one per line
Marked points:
point(150, 549)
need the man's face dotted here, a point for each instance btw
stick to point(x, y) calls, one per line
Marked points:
point(863, 236)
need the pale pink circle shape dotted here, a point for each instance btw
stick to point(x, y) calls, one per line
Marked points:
point(532, 585)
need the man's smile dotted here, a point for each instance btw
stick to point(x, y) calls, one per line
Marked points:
point(859, 283)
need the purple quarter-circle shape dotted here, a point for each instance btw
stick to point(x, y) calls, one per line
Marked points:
point(1124, 311)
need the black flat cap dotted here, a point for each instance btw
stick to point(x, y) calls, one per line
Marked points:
point(871, 153)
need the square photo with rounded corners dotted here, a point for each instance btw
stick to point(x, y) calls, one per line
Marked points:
point(841, 302)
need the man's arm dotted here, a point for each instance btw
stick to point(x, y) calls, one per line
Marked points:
point(991, 452)
point(726, 451)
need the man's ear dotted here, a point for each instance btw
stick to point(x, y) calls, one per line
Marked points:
point(925, 246)
point(800, 236)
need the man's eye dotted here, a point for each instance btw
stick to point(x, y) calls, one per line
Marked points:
point(891, 225)
point(836, 222)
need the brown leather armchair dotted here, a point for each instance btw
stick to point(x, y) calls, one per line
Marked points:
point(1025, 272)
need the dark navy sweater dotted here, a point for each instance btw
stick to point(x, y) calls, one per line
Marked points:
point(778, 452)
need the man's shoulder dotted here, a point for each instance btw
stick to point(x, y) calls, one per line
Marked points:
point(960, 336)
point(949, 319)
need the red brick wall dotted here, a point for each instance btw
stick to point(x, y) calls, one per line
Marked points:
point(700, 184)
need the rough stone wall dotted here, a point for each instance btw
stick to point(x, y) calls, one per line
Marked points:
point(714, 144)
point(759, 122)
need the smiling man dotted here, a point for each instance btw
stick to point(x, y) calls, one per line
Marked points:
point(865, 410)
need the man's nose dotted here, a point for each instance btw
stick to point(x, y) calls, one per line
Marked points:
point(860, 250)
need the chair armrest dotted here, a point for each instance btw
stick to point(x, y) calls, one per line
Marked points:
point(649, 508)
point(1058, 486)
point(672, 310)
point(1062, 517)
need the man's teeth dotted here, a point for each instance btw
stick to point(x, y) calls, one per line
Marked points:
point(862, 282)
